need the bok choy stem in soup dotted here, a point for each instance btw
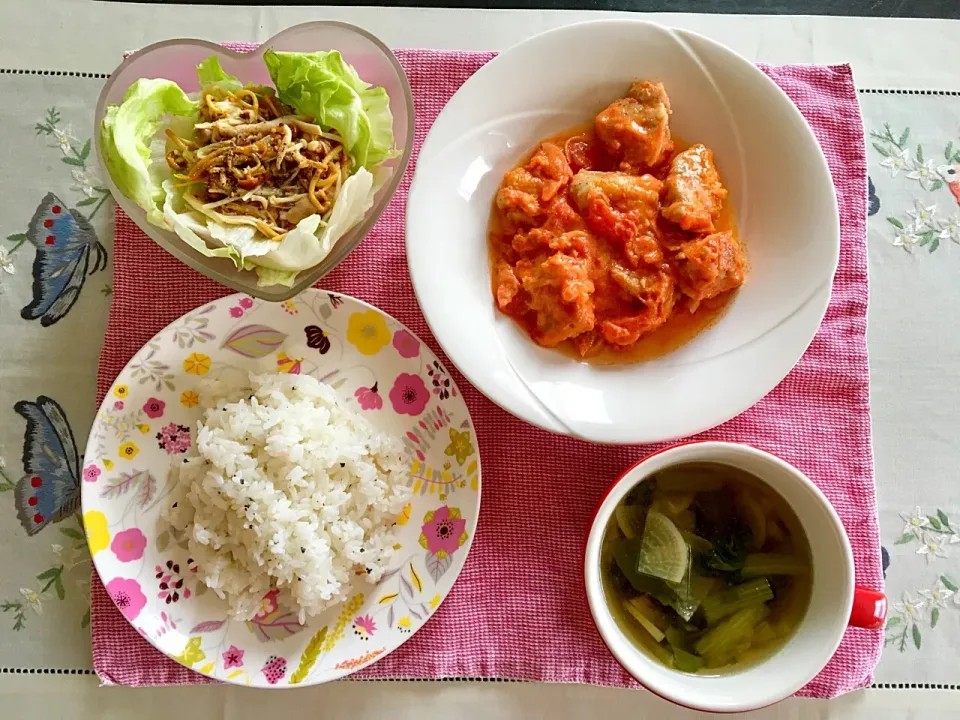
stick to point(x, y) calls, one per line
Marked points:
point(705, 568)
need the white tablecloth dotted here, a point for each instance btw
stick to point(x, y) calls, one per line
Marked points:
point(913, 340)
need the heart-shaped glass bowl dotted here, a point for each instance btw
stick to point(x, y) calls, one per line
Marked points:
point(177, 60)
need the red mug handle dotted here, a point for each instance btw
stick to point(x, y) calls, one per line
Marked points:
point(869, 609)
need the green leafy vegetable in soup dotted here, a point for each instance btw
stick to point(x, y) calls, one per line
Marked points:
point(705, 568)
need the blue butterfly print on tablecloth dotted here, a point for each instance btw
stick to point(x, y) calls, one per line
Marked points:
point(50, 488)
point(67, 251)
point(873, 202)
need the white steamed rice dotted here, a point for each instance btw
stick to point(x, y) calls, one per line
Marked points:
point(290, 489)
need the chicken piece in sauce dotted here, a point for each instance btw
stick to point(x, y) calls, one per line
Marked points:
point(591, 248)
point(559, 289)
point(622, 208)
point(545, 240)
point(507, 286)
point(694, 194)
point(636, 128)
point(709, 266)
point(528, 191)
point(654, 289)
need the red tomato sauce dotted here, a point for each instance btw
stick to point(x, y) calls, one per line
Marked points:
point(601, 233)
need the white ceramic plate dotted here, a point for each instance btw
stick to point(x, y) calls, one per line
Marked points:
point(768, 157)
point(148, 420)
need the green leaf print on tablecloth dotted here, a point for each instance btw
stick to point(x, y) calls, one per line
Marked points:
point(85, 180)
point(929, 223)
point(70, 559)
point(916, 612)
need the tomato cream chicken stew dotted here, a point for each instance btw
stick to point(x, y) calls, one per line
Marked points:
point(613, 242)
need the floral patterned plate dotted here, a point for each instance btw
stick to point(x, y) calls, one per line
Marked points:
point(147, 422)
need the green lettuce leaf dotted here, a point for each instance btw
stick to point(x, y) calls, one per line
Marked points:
point(126, 133)
point(269, 276)
point(323, 86)
point(187, 226)
point(276, 262)
point(210, 73)
point(377, 107)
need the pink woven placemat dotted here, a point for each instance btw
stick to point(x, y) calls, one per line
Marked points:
point(519, 610)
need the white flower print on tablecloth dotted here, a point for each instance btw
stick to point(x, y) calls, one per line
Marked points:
point(6, 264)
point(895, 161)
point(934, 218)
point(71, 560)
point(933, 533)
point(936, 538)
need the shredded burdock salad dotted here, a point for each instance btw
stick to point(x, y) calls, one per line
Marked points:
point(254, 161)
point(268, 177)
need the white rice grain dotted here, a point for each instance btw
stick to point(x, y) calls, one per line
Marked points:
point(286, 488)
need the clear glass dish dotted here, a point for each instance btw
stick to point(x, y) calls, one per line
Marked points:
point(176, 60)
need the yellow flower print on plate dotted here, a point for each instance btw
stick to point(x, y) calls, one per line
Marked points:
point(95, 525)
point(368, 332)
point(460, 446)
point(189, 398)
point(197, 364)
point(192, 654)
point(128, 451)
point(121, 391)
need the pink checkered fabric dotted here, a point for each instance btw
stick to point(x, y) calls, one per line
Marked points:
point(519, 609)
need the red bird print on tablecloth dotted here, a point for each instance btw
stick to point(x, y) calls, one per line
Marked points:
point(951, 176)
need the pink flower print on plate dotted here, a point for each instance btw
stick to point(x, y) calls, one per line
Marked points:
point(232, 657)
point(127, 596)
point(154, 408)
point(364, 627)
point(128, 545)
point(173, 438)
point(409, 395)
point(246, 303)
point(443, 531)
point(236, 311)
point(91, 473)
point(368, 398)
point(406, 344)
point(118, 405)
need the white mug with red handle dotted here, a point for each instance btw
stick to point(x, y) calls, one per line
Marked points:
point(835, 601)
